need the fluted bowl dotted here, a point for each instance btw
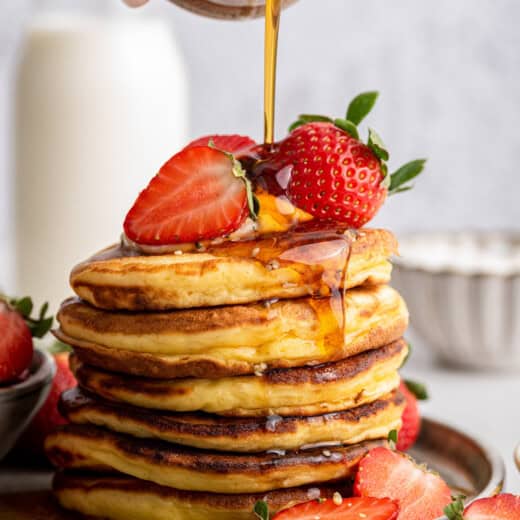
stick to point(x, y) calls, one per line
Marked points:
point(463, 292)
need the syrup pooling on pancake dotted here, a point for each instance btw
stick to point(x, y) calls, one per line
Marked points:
point(319, 253)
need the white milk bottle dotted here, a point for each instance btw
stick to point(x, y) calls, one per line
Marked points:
point(101, 103)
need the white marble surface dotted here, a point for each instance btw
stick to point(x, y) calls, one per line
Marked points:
point(449, 73)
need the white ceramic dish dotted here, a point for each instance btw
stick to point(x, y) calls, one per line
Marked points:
point(463, 292)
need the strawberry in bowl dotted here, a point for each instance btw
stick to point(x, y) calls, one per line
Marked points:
point(25, 373)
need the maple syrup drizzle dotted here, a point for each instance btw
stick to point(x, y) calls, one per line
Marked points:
point(318, 252)
point(272, 24)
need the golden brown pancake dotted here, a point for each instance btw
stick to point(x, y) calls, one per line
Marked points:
point(354, 381)
point(232, 340)
point(284, 265)
point(126, 498)
point(369, 421)
point(89, 447)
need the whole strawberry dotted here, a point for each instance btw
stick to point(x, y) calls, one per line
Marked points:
point(17, 329)
point(411, 418)
point(324, 168)
point(16, 345)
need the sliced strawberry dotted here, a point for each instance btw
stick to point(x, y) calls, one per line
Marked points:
point(348, 509)
point(16, 344)
point(411, 420)
point(386, 473)
point(501, 507)
point(239, 145)
point(201, 193)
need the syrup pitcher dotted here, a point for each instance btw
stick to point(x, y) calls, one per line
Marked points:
point(225, 9)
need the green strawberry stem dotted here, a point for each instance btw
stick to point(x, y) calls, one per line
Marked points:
point(261, 510)
point(357, 110)
point(455, 510)
point(24, 306)
point(239, 172)
point(392, 439)
point(417, 389)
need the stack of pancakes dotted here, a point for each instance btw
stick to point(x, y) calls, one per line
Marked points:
point(214, 376)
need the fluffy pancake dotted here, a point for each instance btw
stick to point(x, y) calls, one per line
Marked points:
point(344, 384)
point(370, 421)
point(232, 340)
point(88, 447)
point(285, 265)
point(124, 498)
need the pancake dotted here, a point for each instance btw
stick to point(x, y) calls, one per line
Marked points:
point(232, 340)
point(284, 265)
point(344, 384)
point(124, 498)
point(166, 464)
point(370, 421)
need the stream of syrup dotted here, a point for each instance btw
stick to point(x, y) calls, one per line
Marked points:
point(272, 25)
point(317, 251)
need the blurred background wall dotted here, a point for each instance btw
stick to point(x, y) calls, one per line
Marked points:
point(448, 72)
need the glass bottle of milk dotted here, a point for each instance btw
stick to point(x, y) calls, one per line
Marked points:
point(101, 103)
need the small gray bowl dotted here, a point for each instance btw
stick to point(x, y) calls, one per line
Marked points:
point(463, 293)
point(21, 401)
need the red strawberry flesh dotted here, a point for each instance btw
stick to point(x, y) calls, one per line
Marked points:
point(385, 473)
point(16, 344)
point(349, 509)
point(411, 421)
point(195, 196)
point(238, 145)
point(501, 507)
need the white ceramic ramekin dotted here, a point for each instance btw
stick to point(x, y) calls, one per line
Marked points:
point(463, 292)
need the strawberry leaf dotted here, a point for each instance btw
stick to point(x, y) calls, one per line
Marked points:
point(375, 143)
point(455, 510)
point(295, 125)
point(347, 126)
point(360, 106)
point(40, 327)
point(24, 306)
point(309, 118)
point(392, 439)
point(261, 510)
point(407, 357)
point(405, 174)
point(417, 389)
point(59, 347)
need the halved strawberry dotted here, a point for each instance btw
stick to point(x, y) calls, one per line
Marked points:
point(419, 493)
point(239, 145)
point(199, 194)
point(349, 509)
point(501, 507)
